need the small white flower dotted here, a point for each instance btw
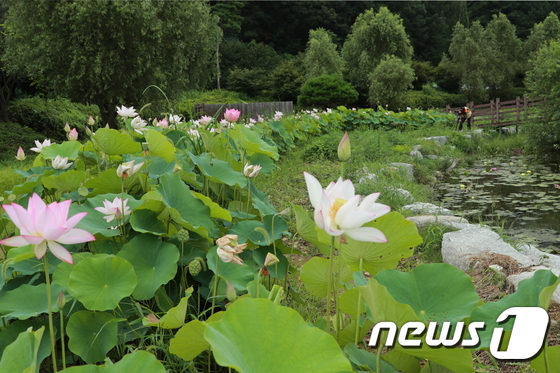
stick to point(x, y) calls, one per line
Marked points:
point(61, 163)
point(138, 124)
point(40, 146)
point(194, 133)
point(205, 120)
point(251, 170)
point(128, 169)
point(175, 119)
point(114, 210)
point(127, 112)
point(278, 115)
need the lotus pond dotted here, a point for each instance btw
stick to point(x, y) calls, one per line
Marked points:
point(519, 193)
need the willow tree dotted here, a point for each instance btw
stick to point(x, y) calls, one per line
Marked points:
point(108, 52)
point(374, 36)
point(321, 55)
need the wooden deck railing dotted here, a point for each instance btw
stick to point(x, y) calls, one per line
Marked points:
point(499, 113)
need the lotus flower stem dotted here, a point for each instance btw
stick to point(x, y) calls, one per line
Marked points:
point(329, 282)
point(63, 345)
point(359, 311)
point(49, 309)
point(378, 357)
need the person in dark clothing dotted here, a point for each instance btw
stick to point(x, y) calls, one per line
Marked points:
point(464, 115)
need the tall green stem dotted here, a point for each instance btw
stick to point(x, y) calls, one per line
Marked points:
point(378, 357)
point(359, 311)
point(63, 345)
point(49, 308)
point(329, 283)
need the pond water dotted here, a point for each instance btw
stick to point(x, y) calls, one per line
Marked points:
point(518, 193)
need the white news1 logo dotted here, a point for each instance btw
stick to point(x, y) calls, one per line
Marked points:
point(527, 336)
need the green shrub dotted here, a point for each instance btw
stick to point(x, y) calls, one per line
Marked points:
point(48, 116)
point(431, 98)
point(252, 82)
point(327, 91)
point(12, 136)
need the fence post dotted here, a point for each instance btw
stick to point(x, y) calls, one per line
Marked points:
point(498, 119)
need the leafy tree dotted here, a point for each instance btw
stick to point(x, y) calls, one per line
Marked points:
point(327, 91)
point(374, 36)
point(239, 55)
point(542, 33)
point(504, 53)
point(252, 82)
point(543, 80)
point(108, 52)
point(469, 54)
point(287, 79)
point(229, 13)
point(321, 56)
point(390, 81)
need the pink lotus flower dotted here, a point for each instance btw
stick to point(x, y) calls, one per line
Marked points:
point(73, 135)
point(339, 211)
point(114, 210)
point(20, 156)
point(46, 226)
point(232, 115)
point(163, 123)
point(205, 120)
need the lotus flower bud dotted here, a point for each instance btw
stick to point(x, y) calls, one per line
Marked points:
point(61, 300)
point(231, 294)
point(91, 121)
point(344, 148)
point(20, 156)
point(271, 259)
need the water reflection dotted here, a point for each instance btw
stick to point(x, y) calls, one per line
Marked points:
point(518, 193)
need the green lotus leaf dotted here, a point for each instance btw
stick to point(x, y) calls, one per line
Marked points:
point(175, 317)
point(176, 195)
point(23, 354)
point(533, 292)
point(215, 210)
point(159, 167)
point(402, 235)
point(159, 145)
point(69, 149)
point(251, 142)
point(65, 182)
point(544, 360)
point(238, 275)
point(315, 273)
point(101, 282)
point(218, 171)
point(113, 142)
point(137, 361)
point(146, 221)
point(61, 275)
point(383, 307)
point(154, 262)
point(256, 335)
point(189, 341)
point(366, 360)
point(91, 335)
point(27, 301)
point(451, 297)
point(307, 229)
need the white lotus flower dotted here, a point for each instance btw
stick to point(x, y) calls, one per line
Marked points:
point(127, 112)
point(174, 119)
point(40, 145)
point(61, 163)
point(251, 170)
point(114, 210)
point(138, 124)
point(339, 211)
point(128, 169)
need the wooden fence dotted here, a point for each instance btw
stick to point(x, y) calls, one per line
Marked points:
point(501, 113)
point(250, 110)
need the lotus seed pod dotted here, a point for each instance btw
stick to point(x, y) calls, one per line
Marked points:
point(83, 191)
point(183, 235)
point(195, 267)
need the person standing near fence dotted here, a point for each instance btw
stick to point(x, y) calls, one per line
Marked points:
point(464, 115)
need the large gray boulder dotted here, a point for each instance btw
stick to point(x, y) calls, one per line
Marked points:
point(407, 168)
point(424, 208)
point(423, 221)
point(460, 248)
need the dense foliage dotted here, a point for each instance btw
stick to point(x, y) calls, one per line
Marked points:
point(327, 91)
point(108, 52)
